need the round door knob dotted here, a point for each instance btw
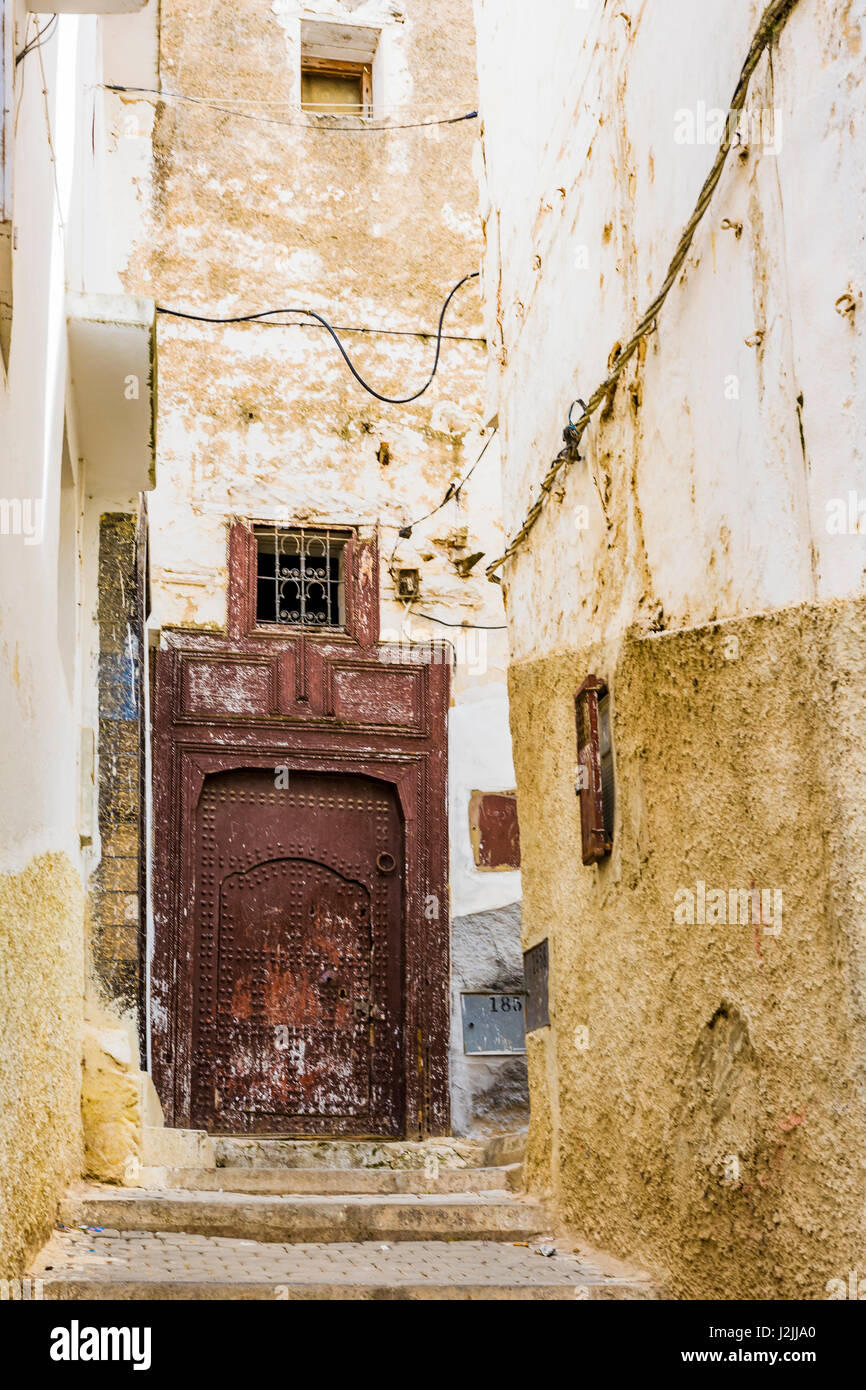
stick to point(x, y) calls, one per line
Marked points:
point(386, 863)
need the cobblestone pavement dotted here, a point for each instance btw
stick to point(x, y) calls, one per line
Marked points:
point(74, 1256)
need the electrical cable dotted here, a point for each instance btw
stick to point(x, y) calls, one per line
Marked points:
point(775, 16)
point(476, 627)
point(311, 313)
point(288, 125)
point(453, 491)
point(406, 531)
point(386, 332)
point(39, 38)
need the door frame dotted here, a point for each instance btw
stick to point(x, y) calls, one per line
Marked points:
point(316, 728)
point(385, 1115)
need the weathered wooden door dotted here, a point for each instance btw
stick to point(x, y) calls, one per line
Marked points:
point(297, 1016)
point(300, 980)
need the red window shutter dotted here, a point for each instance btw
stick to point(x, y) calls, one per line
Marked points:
point(596, 836)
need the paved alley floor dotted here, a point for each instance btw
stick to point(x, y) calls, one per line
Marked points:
point(144, 1264)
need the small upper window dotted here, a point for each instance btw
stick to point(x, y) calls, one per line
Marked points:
point(336, 89)
point(337, 68)
point(301, 577)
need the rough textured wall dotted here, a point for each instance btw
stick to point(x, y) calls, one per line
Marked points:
point(711, 1120)
point(115, 883)
point(373, 228)
point(41, 994)
point(41, 869)
point(487, 1092)
point(48, 582)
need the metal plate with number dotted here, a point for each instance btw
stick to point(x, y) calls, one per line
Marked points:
point(493, 1023)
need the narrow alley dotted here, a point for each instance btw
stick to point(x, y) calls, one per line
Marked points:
point(432, 664)
point(441, 1220)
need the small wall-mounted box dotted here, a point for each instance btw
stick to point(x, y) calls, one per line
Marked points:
point(594, 769)
point(408, 584)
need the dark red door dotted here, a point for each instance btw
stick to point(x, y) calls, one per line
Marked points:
point(297, 1025)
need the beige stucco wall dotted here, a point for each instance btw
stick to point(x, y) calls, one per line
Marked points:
point(370, 228)
point(710, 1119)
point(707, 1043)
point(41, 868)
point(41, 991)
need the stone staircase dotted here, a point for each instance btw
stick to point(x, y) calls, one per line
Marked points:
point(297, 1219)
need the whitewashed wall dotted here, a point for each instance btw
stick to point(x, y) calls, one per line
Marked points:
point(598, 123)
point(39, 704)
point(49, 509)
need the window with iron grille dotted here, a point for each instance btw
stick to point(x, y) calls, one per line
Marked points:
point(301, 577)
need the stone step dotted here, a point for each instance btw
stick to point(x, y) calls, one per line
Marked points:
point(157, 1290)
point(106, 1265)
point(306, 1218)
point(235, 1152)
point(176, 1148)
point(505, 1149)
point(343, 1181)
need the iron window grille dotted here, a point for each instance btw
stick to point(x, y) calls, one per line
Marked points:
point(301, 577)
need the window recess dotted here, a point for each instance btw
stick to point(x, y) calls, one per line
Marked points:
point(284, 580)
point(301, 577)
point(336, 89)
point(337, 68)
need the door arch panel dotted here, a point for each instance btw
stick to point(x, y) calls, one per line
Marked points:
point(298, 930)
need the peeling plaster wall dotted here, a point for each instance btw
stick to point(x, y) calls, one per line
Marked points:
point(713, 1122)
point(372, 229)
point(41, 989)
point(115, 891)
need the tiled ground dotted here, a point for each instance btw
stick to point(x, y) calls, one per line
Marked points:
point(73, 1256)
